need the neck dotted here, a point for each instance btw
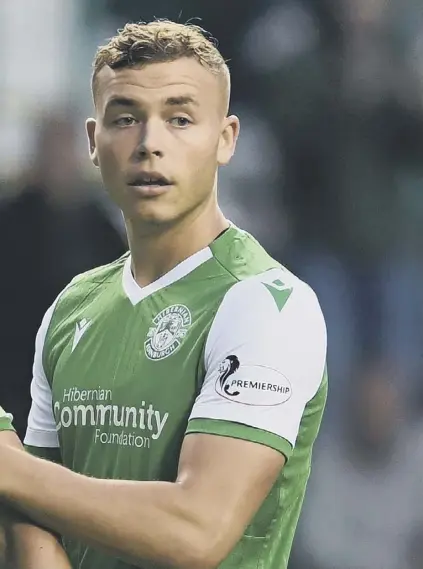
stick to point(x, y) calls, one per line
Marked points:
point(154, 253)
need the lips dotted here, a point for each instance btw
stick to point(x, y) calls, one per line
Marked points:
point(149, 179)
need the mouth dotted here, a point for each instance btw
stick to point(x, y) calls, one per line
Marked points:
point(149, 179)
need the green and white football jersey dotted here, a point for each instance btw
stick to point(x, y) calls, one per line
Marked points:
point(228, 343)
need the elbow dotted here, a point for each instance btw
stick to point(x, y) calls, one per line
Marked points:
point(208, 551)
point(192, 550)
point(201, 559)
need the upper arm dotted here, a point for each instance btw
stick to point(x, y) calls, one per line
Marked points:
point(225, 481)
point(41, 431)
point(30, 547)
point(265, 359)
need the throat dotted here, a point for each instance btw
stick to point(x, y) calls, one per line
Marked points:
point(153, 256)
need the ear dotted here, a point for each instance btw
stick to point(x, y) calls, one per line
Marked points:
point(228, 140)
point(90, 126)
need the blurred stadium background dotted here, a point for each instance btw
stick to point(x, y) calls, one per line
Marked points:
point(328, 176)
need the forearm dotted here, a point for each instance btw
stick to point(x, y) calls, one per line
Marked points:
point(132, 520)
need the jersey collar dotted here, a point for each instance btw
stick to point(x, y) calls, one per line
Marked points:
point(136, 293)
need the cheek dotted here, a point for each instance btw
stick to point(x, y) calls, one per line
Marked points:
point(109, 159)
point(202, 165)
point(202, 152)
point(202, 140)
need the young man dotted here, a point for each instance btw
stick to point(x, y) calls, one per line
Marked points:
point(175, 383)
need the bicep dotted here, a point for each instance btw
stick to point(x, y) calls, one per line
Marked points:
point(226, 480)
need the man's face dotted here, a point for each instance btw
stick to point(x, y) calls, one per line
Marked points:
point(159, 135)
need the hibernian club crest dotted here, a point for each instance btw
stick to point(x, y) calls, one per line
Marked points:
point(170, 327)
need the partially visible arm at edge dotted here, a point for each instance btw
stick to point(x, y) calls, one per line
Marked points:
point(28, 546)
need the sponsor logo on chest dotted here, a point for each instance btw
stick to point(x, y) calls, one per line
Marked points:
point(125, 425)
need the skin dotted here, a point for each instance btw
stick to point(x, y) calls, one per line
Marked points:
point(28, 546)
point(221, 481)
point(220, 485)
point(184, 142)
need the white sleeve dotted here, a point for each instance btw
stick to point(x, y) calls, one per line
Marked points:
point(265, 355)
point(41, 431)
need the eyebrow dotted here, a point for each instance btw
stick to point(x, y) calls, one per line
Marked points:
point(121, 102)
point(180, 101)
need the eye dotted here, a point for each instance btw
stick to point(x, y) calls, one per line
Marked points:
point(124, 121)
point(180, 122)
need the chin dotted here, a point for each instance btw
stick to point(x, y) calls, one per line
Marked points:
point(152, 213)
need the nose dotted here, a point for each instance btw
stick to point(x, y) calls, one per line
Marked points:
point(150, 141)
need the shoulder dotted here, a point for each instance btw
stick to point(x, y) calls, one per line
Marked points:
point(241, 255)
point(273, 320)
point(267, 312)
point(271, 299)
point(83, 284)
point(254, 272)
point(78, 290)
point(99, 275)
point(266, 347)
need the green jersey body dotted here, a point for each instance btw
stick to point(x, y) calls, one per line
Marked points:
point(228, 343)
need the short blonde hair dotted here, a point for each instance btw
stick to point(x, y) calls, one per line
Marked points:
point(160, 41)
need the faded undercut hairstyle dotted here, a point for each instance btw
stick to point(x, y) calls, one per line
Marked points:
point(161, 41)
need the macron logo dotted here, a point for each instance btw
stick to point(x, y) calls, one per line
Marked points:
point(80, 329)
